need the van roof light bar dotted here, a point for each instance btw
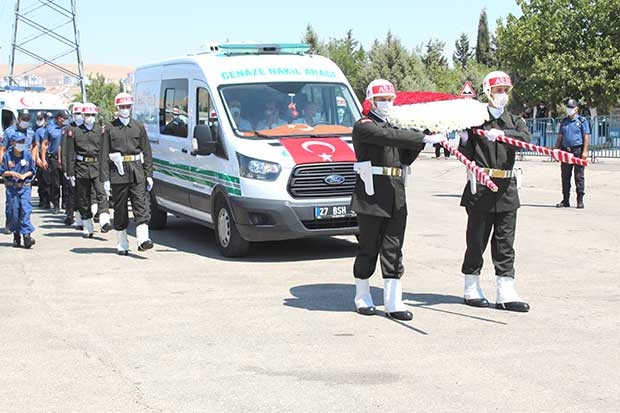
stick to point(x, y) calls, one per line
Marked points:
point(261, 48)
point(23, 88)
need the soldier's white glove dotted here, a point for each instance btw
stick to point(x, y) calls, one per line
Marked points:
point(72, 180)
point(106, 188)
point(435, 138)
point(149, 183)
point(464, 136)
point(492, 134)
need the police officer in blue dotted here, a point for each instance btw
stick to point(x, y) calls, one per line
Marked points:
point(17, 170)
point(51, 148)
point(19, 130)
point(574, 137)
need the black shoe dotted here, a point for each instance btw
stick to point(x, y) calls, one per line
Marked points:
point(55, 210)
point(367, 310)
point(580, 205)
point(476, 302)
point(146, 245)
point(87, 235)
point(17, 240)
point(400, 315)
point(517, 306)
point(123, 252)
point(69, 220)
point(106, 227)
point(5, 230)
point(79, 227)
point(563, 204)
point(96, 219)
point(28, 241)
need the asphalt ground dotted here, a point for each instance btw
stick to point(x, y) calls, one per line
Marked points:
point(181, 329)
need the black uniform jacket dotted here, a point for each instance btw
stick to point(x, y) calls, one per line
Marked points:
point(86, 143)
point(383, 145)
point(495, 155)
point(128, 140)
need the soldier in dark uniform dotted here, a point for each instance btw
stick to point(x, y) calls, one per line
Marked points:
point(83, 172)
point(68, 186)
point(51, 148)
point(384, 154)
point(574, 137)
point(493, 211)
point(126, 169)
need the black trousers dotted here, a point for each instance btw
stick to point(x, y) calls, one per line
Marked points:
point(382, 237)
point(479, 226)
point(567, 171)
point(136, 193)
point(68, 196)
point(87, 193)
point(51, 179)
point(438, 147)
point(42, 189)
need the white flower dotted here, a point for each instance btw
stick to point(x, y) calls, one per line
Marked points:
point(440, 116)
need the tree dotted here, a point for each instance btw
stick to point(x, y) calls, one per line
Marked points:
point(312, 39)
point(565, 48)
point(101, 93)
point(434, 54)
point(483, 46)
point(391, 61)
point(351, 58)
point(462, 52)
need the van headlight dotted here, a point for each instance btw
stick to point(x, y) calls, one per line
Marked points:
point(258, 169)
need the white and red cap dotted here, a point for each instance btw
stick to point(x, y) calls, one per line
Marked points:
point(90, 108)
point(77, 108)
point(123, 98)
point(380, 87)
point(496, 78)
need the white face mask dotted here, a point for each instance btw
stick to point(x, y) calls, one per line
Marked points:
point(20, 146)
point(40, 123)
point(23, 124)
point(571, 111)
point(78, 119)
point(89, 121)
point(382, 108)
point(124, 113)
point(500, 100)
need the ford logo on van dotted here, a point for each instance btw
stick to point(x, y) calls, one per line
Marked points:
point(334, 179)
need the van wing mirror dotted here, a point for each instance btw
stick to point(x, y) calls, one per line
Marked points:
point(204, 140)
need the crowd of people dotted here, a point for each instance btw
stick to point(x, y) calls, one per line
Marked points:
point(78, 165)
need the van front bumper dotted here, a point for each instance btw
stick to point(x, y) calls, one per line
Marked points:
point(269, 220)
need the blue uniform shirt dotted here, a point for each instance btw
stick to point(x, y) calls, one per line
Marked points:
point(53, 135)
point(573, 130)
point(21, 164)
point(27, 135)
point(39, 135)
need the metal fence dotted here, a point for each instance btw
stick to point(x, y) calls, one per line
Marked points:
point(604, 141)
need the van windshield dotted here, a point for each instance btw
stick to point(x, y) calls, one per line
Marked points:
point(290, 109)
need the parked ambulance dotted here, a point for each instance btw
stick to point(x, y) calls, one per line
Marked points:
point(16, 99)
point(252, 140)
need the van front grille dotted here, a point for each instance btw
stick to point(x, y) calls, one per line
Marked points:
point(322, 180)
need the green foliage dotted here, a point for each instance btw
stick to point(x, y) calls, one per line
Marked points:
point(434, 56)
point(351, 58)
point(483, 46)
point(101, 93)
point(462, 52)
point(565, 48)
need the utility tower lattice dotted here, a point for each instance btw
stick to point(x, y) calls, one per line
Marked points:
point(46, 24)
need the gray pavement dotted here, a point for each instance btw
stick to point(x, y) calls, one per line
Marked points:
point(180, 329)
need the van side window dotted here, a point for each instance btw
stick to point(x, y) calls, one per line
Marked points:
point(173, 108)
point(205, 113)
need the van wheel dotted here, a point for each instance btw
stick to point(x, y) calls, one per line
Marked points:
point(159, 218)
point(229, 242)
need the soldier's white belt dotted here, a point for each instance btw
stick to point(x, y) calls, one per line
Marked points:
point(499, 173)
point(83, 158)
point(387, 171)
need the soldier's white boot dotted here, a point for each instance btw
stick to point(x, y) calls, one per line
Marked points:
point(363, 299)
point(507, 297)
point(393, 300)
point(122, 243)
point(142, 234)
point(104, 222)
point(89, 228)
point(473, 294)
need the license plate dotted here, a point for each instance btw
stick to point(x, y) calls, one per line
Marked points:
point(335, 211)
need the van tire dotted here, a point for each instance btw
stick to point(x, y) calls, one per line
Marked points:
point(228, 239)
point(159, 218)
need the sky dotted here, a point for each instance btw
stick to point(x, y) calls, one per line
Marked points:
point(134, 32)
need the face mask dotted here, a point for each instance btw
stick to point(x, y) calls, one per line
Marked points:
point(20, 146)
point(40, 123)
point(235, 111)
point(23, 124)
point(571, 111)
point(317, 117)
point(382, 108)
point(124, 113)
point(79, 119)
point(89, 121)
point(500, 99)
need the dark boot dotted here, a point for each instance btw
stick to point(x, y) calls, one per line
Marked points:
point(565, 203)
point(17, 240)
point(580, 201)
point(28, 241)
point(69, 219)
